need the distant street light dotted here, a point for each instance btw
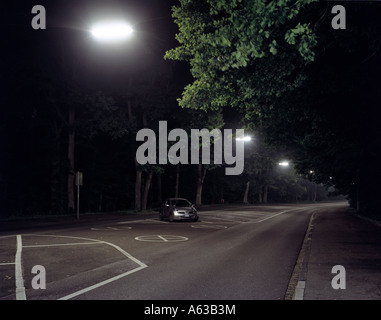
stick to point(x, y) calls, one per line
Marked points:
point(111, 31)
point(246, 138)
point(284, 164)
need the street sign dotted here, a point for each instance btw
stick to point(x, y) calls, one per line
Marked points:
point(79, 178)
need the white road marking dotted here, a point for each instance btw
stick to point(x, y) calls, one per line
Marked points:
point(161, 238)
point(110, 228)
point(20, 289)
point(142, 221)
point(93, 241)
point(222, 218)
point(209, 226)
point(60, 244)
point(278, 214)
point(299, 290)
point(100, 284)
point(7, 263)
point(154, 220)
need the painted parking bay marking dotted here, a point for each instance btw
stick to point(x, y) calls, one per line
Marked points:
point(111, 229)
point(73, 241)
point(209, 226)
point(161, 238)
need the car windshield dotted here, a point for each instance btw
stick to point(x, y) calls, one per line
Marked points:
point(181, 203)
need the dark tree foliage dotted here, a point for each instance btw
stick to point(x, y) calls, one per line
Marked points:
point(307, 86)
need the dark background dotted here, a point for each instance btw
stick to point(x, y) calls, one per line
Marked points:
point(45, 71)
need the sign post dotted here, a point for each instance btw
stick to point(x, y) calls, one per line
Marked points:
point(78, 183)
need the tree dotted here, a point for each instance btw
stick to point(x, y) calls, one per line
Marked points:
point(283, 66)
point(242, 53)
point(232, 47)
point(208, 120)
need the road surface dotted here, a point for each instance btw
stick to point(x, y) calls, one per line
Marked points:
point(232, 253)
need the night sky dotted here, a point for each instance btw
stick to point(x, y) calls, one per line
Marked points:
point(68, 35)
point(37, 66)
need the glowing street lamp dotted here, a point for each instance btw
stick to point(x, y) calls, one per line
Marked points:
point(111, 31)
point(245, 138)
point(284, 164)
point(108, 32)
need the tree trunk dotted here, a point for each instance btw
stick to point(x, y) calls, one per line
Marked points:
point(314, 194)
point(245, 197)
point(56, 203)
point(146, 190)
point(260, 200)
point(177, 180)
point(198, 193)
point(265, 192)
point(201, 172)
point(70, 174)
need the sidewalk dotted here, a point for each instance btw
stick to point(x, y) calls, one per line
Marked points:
point(337, 237)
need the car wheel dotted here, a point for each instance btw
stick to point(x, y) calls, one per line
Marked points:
point(195, 219)
point(161, 217)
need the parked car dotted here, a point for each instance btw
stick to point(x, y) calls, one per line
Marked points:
point(178, 209)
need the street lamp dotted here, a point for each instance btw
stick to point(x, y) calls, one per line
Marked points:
point(245, 139)
point(111, 31)
point(284, 164)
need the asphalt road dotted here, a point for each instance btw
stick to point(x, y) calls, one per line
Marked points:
point(232, 253)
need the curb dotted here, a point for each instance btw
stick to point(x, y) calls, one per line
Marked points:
point(297, 284)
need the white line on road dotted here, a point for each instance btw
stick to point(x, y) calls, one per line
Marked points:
point(162, 238)
point(274, 215)
point(88, 241)
point(299, 291)
point(60, 244)
point(20, 289)
point(94, 241)
point(278, 214)
point(100, 284)
point(222, 218)
point(142, 221)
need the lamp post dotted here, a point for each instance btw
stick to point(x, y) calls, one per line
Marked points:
point(108, 32)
